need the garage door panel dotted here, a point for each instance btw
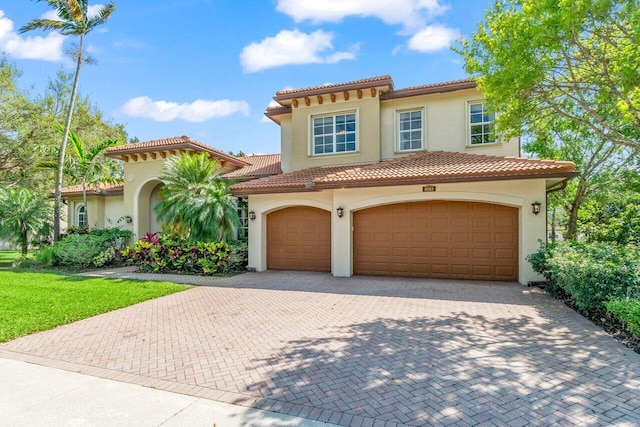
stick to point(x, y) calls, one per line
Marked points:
point(299, 238)
point(438, 239)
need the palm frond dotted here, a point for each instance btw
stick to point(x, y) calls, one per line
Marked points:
point(44, 24)
point(103, 14)
point(99, 148)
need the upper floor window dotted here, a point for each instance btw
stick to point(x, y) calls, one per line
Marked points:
point(410, 130)
point(334, 133)
point(481, 124)
point(82, 217)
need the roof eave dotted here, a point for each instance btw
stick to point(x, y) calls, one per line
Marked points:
point(386, 83)
point(445, 88)
point(272, 190)
point(179, 146)
point(441, 180)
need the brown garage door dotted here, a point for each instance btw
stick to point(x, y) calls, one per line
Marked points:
point(299, 238)
point(461, 240)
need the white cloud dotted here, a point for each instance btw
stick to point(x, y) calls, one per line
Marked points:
point(433, 38)
point(48, 48)
point(291, 47)
point(411, 14)
point(414, 17)
point(198, 111)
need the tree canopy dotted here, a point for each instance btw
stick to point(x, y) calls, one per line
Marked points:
point(28, 129)
point(73, 20)
point(576, 59)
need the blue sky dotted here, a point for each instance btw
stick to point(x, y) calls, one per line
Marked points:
point(209, 68)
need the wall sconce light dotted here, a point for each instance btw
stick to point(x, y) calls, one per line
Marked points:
point(340, 212)
point(128, 219)
point(535, 208)
point(252, 215)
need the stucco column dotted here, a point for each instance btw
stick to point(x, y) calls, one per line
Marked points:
point(341, 236)
point(257, 239)
point(533, 229)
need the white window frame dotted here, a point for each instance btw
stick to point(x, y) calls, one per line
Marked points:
point(423, 129)
point(242, 232)
point(333, 114)
point(83, 214)
point(482, 123)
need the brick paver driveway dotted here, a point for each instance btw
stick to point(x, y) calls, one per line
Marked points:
point(361, 351)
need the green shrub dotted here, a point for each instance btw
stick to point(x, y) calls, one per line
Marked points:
point(239, 256)
point(540, 263)
point(44, 257)
point(627, 311)
point(161, 254)
point(589, 274)
point(594, 273)
point(84, 248)
point(78, 250)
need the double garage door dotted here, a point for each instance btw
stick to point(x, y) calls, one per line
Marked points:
point(439, 239)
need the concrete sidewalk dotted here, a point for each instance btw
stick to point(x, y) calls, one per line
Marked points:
point(33, 395)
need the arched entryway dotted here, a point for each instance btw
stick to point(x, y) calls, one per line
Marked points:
point(148, 198)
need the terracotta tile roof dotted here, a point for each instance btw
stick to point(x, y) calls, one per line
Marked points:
point(441, 87)
point(100, 189)
point(319, 90)
point(423, 168)
point(260, 166)
point(173, 143)
point(441, 165)
point(302, 180)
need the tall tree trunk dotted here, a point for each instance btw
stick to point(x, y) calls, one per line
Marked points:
point(24, 242)
point(553, 225)
point(63, 147)
point(573, 208)
point(84, 201)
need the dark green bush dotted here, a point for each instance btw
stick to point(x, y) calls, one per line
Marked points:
point(627, 311)
point(590, 274)
point(83, 248)
point(157, 253)
point(78, 250)
point(540, 263)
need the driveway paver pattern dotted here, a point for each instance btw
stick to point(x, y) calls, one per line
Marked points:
point(361, 351)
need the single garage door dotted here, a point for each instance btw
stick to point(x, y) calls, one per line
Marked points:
point(299, 238)
point(460, 240)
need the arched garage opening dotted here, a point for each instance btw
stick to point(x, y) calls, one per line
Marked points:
point(299, 238)
point(439, 239)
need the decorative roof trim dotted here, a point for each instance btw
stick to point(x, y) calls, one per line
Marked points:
point(175, 143)
point(110, 190)
point(443, 87)
point(373, 82)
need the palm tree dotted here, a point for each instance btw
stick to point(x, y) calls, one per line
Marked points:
point(73, 21)
point(84, 167)
point(196, 203)
point(22, 214)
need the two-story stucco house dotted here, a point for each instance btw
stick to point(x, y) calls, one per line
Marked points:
point(371, 180)
point(385, 181)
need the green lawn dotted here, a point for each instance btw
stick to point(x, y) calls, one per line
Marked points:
point(31, 302)
point(7, 258)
